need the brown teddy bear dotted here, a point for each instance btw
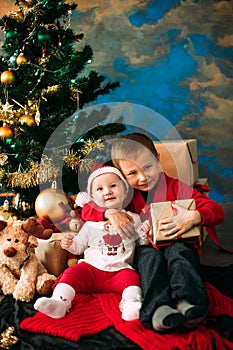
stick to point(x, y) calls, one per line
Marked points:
point(21, 273)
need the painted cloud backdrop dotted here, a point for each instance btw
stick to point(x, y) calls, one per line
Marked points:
point(175, 57)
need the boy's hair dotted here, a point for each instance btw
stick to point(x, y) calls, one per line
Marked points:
point(130, 146)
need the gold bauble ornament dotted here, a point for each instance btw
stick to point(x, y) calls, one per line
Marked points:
point(6, 132)
point(27, 119)
point(8, 77)
point(52, 204)
point(20, 15)
point(21, 59)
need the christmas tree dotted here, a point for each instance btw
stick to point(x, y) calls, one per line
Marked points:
point(44, 80)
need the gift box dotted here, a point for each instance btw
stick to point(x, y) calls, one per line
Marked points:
point(164, 210)
point(51, 255)
point(179, 159)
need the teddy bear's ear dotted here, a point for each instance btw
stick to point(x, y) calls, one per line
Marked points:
point(32, 227)
point(3, 224)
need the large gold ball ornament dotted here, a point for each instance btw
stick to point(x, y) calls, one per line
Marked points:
point(8, 77)
point(6, 132)
point(50, 204)
point(27, 119)
point(21, 59)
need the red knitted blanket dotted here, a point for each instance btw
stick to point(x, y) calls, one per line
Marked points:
point(92, 313)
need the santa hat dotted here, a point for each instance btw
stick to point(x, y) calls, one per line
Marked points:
point(105, 170)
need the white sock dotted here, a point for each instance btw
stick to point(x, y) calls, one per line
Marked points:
point(165, 317)
point(60, 302)
point(131, 303)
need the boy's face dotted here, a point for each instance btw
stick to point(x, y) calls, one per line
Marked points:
point(108, 191)
point(143, 173)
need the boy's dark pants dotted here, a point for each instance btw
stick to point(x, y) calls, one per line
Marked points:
point(168, 275)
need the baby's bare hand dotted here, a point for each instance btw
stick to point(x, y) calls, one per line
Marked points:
point(66, 240)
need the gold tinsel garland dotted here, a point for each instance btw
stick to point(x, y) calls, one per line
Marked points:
point(37, 174)
point(91, 144)
point(2, 173)
point(86, 164)
point(45, 171)
point(77, 162)
point(72, 159)
point(7, 339)
point(3, 159)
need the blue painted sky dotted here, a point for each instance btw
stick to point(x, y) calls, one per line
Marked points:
point(186, 78)
point(152, 13)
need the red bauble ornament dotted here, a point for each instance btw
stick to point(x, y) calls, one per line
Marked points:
point(21, 59)
point(8, 77)
point(6, 132)
point(52, 204)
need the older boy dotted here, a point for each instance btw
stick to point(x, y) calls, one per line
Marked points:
point(173, 292)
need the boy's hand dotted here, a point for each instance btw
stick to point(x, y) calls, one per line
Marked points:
point(180, 223)
point(144, 230)
point(66, 240)
point(122, 222)
point(145, 227)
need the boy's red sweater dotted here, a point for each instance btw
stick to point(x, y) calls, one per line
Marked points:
point(167, 189)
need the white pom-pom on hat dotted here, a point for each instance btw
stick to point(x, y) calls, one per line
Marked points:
point(81, 199)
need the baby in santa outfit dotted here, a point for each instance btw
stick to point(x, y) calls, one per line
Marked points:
point(108, 257)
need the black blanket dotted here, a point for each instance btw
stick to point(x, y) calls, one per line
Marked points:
point(13, 312)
